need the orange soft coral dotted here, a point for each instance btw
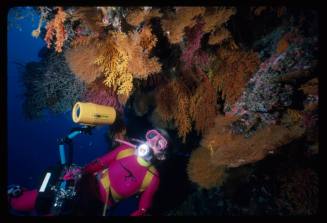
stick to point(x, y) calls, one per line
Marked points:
point(202, 172)
point(136, 16)
point(216, 16)
point(147, 39)
point(235, 71)
point(173, 100)
point(219, 36)
point(166, 102)
point(258, 10)
point(56, 27)
point(89, 17)
point(175, 24)
point(81, 61)
point(138, 46)
point(203, 106)
point(234, 150)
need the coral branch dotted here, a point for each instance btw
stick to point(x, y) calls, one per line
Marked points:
point(56, 27)
point(175, 24)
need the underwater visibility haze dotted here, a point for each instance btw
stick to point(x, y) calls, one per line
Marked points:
point(231, 91)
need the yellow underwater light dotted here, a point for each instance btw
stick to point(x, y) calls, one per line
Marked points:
point(93, 114)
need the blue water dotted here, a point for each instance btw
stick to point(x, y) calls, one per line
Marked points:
point(32, 145)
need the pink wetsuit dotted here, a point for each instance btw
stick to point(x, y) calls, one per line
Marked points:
point(126, 176)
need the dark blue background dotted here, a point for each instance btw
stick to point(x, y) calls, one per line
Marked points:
point(32, 144)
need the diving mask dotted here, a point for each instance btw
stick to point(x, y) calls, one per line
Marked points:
point(157, 142)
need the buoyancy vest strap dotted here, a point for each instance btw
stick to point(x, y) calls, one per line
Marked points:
point(105, 181)
point(147, 178)
point(125, 153)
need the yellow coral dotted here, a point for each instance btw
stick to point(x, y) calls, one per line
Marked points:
point(113, 62)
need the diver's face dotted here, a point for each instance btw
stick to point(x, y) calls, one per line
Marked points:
point(159, 146)
point(157, 143)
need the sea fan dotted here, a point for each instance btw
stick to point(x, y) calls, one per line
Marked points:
point(81, 62)
point(202, 172)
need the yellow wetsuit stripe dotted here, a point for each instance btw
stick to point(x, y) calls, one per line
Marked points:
point(125, 153)
point(147, 178)
point(105, 181)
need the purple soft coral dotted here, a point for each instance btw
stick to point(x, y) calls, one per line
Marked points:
point(103, 96)
point(194, 37)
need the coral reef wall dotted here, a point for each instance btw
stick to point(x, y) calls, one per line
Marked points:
point(243, 79)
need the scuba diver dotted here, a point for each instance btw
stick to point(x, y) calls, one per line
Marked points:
point(126, 171)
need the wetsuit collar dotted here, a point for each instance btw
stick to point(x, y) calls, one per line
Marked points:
point(143, 162)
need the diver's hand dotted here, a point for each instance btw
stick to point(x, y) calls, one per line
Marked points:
point(72, 173)
point(140, 212)
point(92, 167)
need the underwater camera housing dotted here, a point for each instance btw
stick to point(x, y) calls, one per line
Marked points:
point(58, 190)
point(60, 185)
